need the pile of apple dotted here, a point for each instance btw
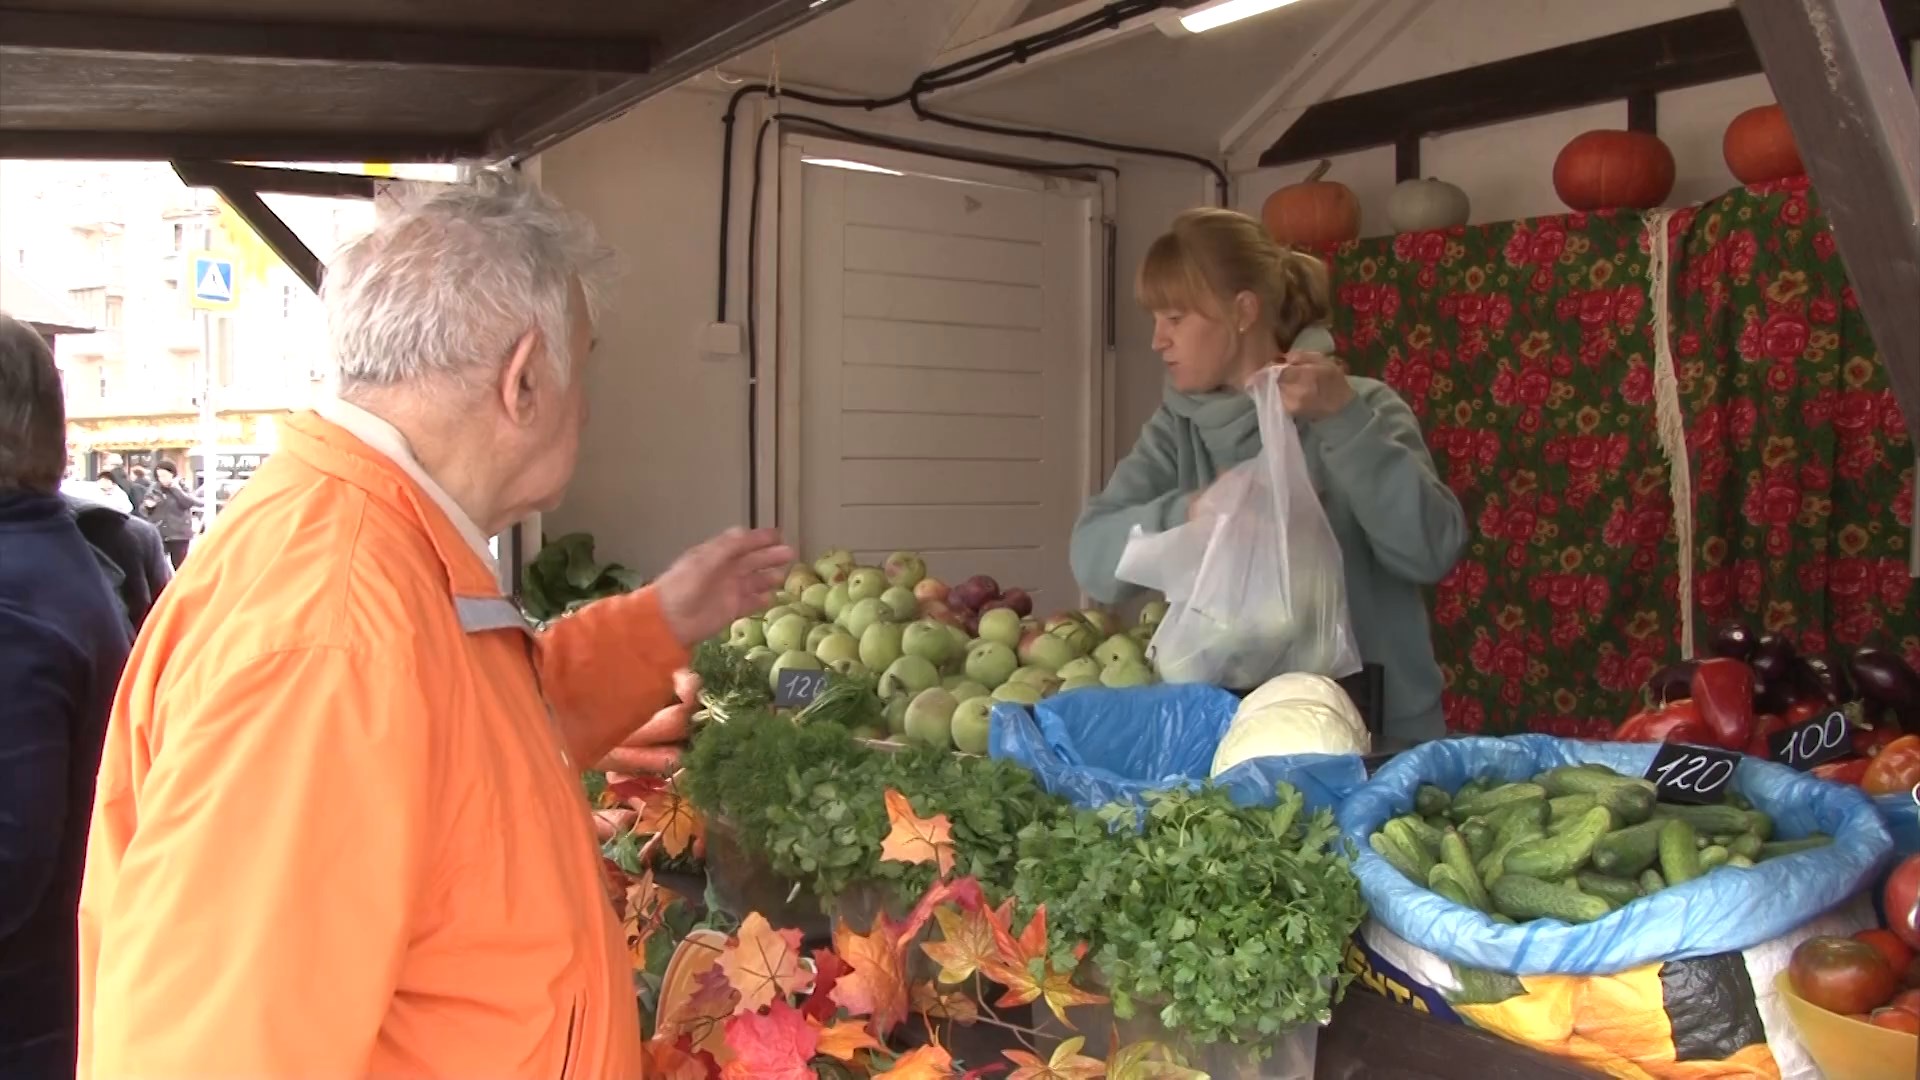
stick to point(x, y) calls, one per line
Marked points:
point(942, 655)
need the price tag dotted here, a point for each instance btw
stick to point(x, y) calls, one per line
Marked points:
point(1812, 742)
point(1691, 774)
point(798, 687)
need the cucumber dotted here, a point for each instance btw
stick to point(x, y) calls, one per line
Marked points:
point(1503, 920)
point(1523, 897)
point(1617, 891)
point(1416, 836)
point(1527, 815)
point(1479, 837)
point(1586, 780)
point(1707, 819)
point(1444, 882)
point(1479, 986)
point(1565, 825)
point(1385, 846)
point(1558, 856)
point(1472, 787)
point(1631, 803)
point(1487, 802)
point(1495, 862)
point(1739, 800)
point(1430, 800)
point(1713, 856)
point(1740, 861)
point(1746, 845)
point(1759, 824)
point(1775, 848)
point(1679, 855)
point(1626, 852)
point(1570, 806)
point(1651, 882)
point(1455, 856)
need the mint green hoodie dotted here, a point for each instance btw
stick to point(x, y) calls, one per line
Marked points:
point(1398, 524)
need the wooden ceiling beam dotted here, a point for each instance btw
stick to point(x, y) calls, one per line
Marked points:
point(266, 179)
point(388, 147)
point(316, 43)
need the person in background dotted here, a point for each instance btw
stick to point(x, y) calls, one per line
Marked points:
point(340, 829)
point(1226, 302)
point(170, 507)
point(130, 553)
point(63, 640)
point(100, 491)
point(139, 486)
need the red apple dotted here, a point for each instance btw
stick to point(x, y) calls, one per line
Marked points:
point(969, 594)
point(988, 587)
point(1019, 600)
point(997, 602)
point(949, 616)
point(971, 625)
point(930, 589)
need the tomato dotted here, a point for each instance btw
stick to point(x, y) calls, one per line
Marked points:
point(1896, 769)
point(1908, 1000)
point(1896, 1020)
point(1897, 955)
point(1840, 974)
point(1848, 771)
point(1902, 901)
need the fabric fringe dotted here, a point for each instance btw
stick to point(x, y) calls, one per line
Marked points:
point(1672, 420)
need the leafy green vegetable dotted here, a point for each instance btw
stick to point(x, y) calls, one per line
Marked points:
point(729, 682)
point(564, 576)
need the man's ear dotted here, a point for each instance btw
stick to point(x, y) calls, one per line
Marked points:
point(519, 379)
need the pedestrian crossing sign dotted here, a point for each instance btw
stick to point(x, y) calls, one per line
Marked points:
point(212, 282)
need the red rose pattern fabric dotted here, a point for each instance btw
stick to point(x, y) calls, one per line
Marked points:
point(1526, 348)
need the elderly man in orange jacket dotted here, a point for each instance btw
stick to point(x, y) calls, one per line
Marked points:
point(339, 829)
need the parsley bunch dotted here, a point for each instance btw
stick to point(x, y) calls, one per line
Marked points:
point(1229, 921)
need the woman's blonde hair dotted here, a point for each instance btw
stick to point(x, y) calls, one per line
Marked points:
point(1210, 256)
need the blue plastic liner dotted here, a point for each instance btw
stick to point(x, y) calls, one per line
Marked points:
point(1724, 911)
point(1901, 815)
point(1098, 746)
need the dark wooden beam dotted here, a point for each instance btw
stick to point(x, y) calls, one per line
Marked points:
point(315, 43)
point(274, 233)
point(1406, 158)
point(1643, 112)
point(258, 179)
point(708, 33)
point(236, 145)
point(1835, 68)
point(1709, 47)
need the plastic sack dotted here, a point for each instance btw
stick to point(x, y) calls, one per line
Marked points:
point(1716, 913)
point(1901, 815)
point(1254, 583)
point(1098, 746)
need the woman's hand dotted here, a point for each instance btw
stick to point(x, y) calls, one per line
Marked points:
point(1313, 386)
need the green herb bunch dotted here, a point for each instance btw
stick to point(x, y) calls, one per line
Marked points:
point(565, 575)
point(729, 682)
point(1230, 921)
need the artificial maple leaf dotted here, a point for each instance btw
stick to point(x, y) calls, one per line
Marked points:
point(966, 944)
point(763, 963)
point(1067, 1063)
point(929, 1001)
point(675, 1059)
point(703, 1014)
point(632, 790)
point(1023, 968)
point(965, 893)
point(827, 969)
point(1149, 1061)
point(926, 1063)
point(775, 1045)
point(845, 1040)
point(672, 819)
point(916, 839)
point(876, 987)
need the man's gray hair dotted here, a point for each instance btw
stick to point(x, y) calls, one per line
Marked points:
point(33, 414)
point(451, 278)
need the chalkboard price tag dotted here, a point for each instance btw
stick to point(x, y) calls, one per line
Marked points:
point(1811, 742)
point(1691, 774)
point(798, 687)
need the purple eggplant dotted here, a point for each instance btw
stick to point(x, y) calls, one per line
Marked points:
point(1772, 661)
point(1732, 640)
point(1885, 679)
point(1673, 682)
point(1818, 678)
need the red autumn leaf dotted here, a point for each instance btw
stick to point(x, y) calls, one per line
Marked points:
point(1024, 969)
point(763, 963)
point(876, 987)
point(671, 818)
point(963, 892)
point(633, 789)
point(926, 1063)
point(827, 969)
point(675, 1059)
point(915, 839)
point(845, 1040)
point(775, 1045)
point(1067, 1063)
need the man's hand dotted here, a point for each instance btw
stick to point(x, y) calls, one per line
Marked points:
point(1313, 386)
point(711, 585)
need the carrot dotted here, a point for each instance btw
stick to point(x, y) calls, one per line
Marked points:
point(669, 725)
point(648, 760)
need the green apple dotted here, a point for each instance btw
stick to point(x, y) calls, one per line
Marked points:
point(871, 734)
point(762, 658)
point(901, 602)
point(1117, 649)
point(1085, 667)
point(792, 660)
point(880, 645)
point(965, 689)
point(815, 597)
point(783, 597)
point(833, 565)
point(1059, 622)
point(837, 646)
point(905, 569)
point(972, 724)
point(849, 668)
point(897, 714)
point(1153, 613)
point(1103, 623)
point(788, 633)
point(1079, 682)
point(930, 718)
point(819, 634)
point(1047, 651)
point(747, 633)
point(801, 607)
point(1079, 637)
point(800, 579)
point(837, 601)
point(962, 644)
point(908, 675)
point(1032, 676)
point(1001, 625)
point(991, 663)
point(1019, 693)
point(1126, 673)
point(775, 613)
point(929, 640)
point(866, 583)
point(864, 613)
point(1143, 634)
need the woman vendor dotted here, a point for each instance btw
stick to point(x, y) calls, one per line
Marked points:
point(1226, 302)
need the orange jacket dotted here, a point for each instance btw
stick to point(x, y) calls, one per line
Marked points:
point(337, 832)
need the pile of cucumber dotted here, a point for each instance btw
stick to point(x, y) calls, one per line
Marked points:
point(1572, 844)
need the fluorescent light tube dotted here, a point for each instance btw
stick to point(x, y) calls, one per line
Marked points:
point(1221, 12)
point(851, 166)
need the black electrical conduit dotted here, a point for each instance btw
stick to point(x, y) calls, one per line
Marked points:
point(951, 75)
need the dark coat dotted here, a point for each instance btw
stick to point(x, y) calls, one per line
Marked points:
point(135, 556)
point(171, 511)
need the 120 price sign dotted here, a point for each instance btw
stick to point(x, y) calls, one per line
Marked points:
point(798, 687)
point(1691, 774)
point(1812, 742)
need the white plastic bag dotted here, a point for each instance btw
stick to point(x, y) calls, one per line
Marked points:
point(1254, 582)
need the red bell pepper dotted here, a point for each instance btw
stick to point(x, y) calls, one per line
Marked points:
point(1869, 741)
point(1848, 771)
point(1723, 689)
point(1676, 721)
point(1764, 726)
point(1896, 770)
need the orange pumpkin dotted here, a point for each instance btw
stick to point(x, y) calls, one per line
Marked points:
point(1605, 170)
point(1314, 213)
point(1759, 146)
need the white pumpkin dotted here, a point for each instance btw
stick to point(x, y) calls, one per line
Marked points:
point(1295, 713)
point(1423, 205)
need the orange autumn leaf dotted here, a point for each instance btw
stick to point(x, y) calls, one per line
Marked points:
point(966, 944)
point(926, 1063)
point(845, 1040)
point(916, 839)
point(774, 1046)
point(929, 1001)
point(645, 902)
point(1024, 969)
point(877, 985)
point(763, 963)
point(669, 1059)
point(671, 818)
point(1067, 1063)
